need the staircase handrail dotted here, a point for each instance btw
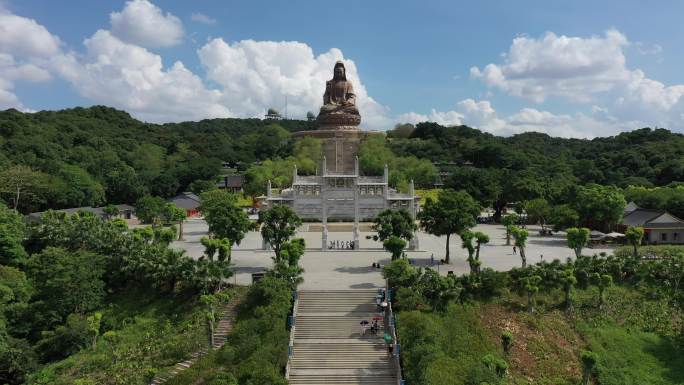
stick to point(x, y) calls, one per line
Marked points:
point(290, 344)
point(391, 324)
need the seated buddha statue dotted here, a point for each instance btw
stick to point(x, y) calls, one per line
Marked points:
point(339, 101)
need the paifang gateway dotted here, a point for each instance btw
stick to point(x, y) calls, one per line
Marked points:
point(338, 192)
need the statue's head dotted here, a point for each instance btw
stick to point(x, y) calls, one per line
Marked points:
point(339, 72)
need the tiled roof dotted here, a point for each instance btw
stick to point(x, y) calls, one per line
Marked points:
point(652, 219)
point(89, 209)
point(631, 206)
point(640, 217)
point(186, 200)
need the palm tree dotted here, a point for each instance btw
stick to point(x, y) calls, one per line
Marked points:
point(509, 222)
point(577, 239)
point(568, 281)
point(520, 236)
point(531, 285)
point(589, 360)
point(634, 236)
point(603, 282)
point(480, 239)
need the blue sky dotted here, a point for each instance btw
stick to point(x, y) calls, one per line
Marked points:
point(581, 68)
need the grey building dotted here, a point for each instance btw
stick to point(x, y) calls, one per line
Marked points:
point(340, 196)
point(659, 226)
point(187, 201)
point(126, 212)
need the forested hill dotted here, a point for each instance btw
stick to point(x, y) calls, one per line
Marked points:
point(89, 156)
point(643, 156)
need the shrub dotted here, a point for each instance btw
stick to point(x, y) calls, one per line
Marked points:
point(651, 251)
point(221, 379)
point(506, 341)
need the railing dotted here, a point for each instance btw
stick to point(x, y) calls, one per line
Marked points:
point(293, 324)
point(391, 324)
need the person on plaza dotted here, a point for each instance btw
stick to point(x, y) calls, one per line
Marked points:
point(514, 249)
point(388, 340)
point(375, 327)
point(364, 326)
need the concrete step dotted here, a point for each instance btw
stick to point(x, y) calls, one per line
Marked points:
point(329, 346)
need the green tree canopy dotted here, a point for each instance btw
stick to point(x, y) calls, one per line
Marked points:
point(599, 206)
point(539, 211)
point(224, 217)
point(278, 171)
point(563, 217)
point(307, 153)
point(577, 239)
point(12, 232)
point(150, 209)
point(68, 282)
point(23, 187)
point(452, 213)
point(398, 223)
point(278, 225)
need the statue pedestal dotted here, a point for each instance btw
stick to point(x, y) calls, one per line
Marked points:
point(265, 245)
point(356, 236)
point(338, 120)
point(340, 146)
point(413, 243)
point(324, 238)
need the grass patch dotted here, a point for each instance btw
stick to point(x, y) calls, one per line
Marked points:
point(256, 350)
point(634, 336)
point(629, 308)
point(545, 345)
point(141, 336)
point(631, 357)
point(445, 348)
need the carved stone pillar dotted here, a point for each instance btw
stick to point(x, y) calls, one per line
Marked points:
point(324, 214)
point(356, 209)
point(413, 244)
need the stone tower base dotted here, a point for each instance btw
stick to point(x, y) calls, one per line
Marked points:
point(340, 147)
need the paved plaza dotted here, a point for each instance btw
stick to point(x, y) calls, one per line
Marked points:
point(345, 269)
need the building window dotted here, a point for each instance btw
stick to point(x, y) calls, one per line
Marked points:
point(663, 236)
point(675, 236)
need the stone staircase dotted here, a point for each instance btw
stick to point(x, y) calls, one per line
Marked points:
point(225, 324)
point(329, 347)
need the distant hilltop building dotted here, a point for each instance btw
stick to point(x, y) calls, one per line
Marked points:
point(338, 192)
point(274, 114)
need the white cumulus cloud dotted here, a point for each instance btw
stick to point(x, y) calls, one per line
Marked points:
point(446, 118)
point(257, 75)
point(144, 24)
point(118, 67)
point(130, 77)
point(571, 67)
point(586, 70)
point(483, 116)
point(202, 18)
point(25, 50)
